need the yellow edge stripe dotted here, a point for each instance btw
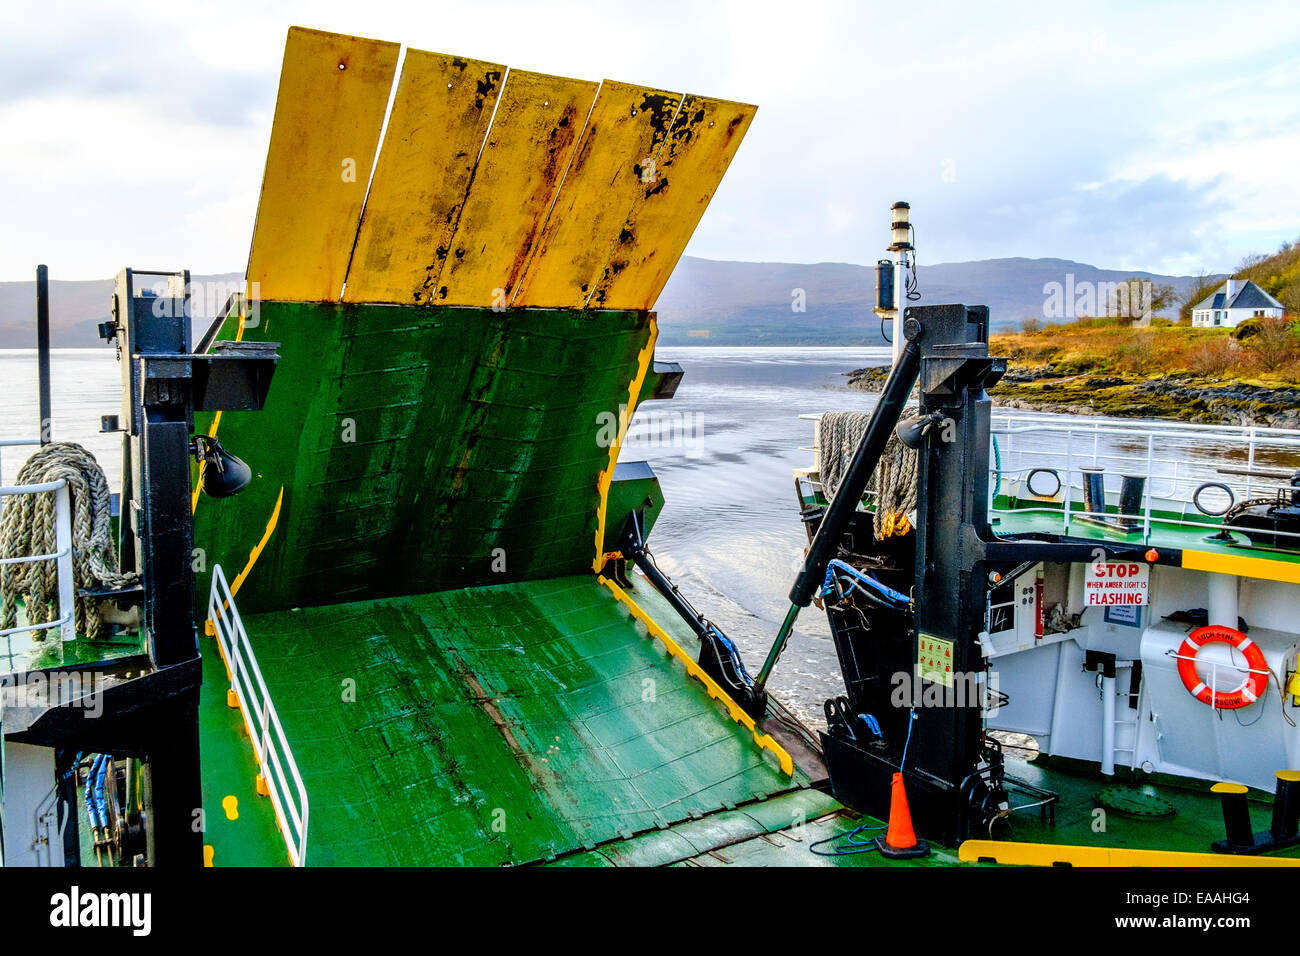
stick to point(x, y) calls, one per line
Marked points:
point(607, 476)
point(257, 551)
point(216, 419)
point(1047, 854)
point(764, 741)
point(1247, 567)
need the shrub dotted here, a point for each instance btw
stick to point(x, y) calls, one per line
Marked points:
point(1031, 325)
point(1274, 344)
point(1246, 329)
point(1213, 358)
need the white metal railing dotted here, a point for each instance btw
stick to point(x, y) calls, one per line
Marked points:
point(274, 758)
point(62, 556)
point(1175, 458)
point(13, 443)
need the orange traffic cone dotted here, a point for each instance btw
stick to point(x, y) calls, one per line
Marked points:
point(900, 841)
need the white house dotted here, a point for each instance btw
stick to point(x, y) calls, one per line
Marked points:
point(1234, 302)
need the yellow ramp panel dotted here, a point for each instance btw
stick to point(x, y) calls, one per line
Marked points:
point(616, 156)
point(439, 120)
point(704, 138)
point(328, 114)
point(528, 149)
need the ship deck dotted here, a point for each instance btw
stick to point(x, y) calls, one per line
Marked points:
point(483, 726)
point(539, 723)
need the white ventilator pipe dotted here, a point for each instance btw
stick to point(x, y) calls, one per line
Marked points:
point(900, 282)
point(1108, 726)
point(1223, 600)
point(900, 233)
point(1074, 596)
point(1108, 698)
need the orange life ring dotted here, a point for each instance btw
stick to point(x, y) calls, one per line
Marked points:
point(1251, 689)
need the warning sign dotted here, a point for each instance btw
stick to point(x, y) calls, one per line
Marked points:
point(934, 659)
point(1116, 584)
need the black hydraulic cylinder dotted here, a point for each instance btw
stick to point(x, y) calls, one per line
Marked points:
point(840, 512)
point(826, 542)
point(634, 548)
point(43, 352)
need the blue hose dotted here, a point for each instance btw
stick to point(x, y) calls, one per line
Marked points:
point(92, 811)
point(997, 466)
point(101, 807)
point(889, 593)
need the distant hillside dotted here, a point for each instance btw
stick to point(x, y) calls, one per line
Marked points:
point(706, 301)
point(1278, 275)
point(76, 309)
point(737, 303)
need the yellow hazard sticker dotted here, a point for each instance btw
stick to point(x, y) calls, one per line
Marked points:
point(934, 659)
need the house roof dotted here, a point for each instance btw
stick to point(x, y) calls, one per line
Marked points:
point(1249, 296)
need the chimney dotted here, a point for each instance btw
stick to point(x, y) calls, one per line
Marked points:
point(1229, 291)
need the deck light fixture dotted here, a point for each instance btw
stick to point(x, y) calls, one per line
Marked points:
point(221, 474)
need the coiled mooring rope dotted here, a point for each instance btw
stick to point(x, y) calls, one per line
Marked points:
point(838, 436)
point(27, 527)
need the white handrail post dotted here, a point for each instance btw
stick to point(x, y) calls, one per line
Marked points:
point(63, 546)
point(1146, 496)
point(1250, 463)
point(1069, 469)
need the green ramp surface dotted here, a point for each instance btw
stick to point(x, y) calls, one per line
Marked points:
point(403, 450)
point(496, 725)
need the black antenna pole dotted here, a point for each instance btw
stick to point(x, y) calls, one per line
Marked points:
point(43, 351)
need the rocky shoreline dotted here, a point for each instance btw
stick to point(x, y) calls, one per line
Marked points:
point(1042, 388)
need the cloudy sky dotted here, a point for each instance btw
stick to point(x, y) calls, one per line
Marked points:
point(1158, 136)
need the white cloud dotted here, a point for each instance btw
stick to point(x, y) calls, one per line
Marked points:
point(1157, 138)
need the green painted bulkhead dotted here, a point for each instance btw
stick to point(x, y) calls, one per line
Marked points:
point(413, 563)
point(411, 443)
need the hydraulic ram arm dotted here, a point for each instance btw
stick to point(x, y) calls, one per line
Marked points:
point(826, 542)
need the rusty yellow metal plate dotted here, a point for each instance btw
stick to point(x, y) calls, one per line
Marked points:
point(703, 140)
point(616, 157)
point(438, 124)
point(328, 115)
point(528, 149)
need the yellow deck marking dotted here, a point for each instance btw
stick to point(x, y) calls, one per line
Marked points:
point(1047, 854)
point(1242, 565)
point(257, 549)
point(209, 851)
point(764, 741)
point(439, 120)
point(216, 418)
point(704, 138)
point(616, 158)
point(606, 477)
point(328, 114)
point(528, 149)
point(231, 805)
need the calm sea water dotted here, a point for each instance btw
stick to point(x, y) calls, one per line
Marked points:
point(723, 448)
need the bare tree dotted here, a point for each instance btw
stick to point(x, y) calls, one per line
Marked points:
point(1198, 290)
point(1274, 344)
point(1290, 299)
